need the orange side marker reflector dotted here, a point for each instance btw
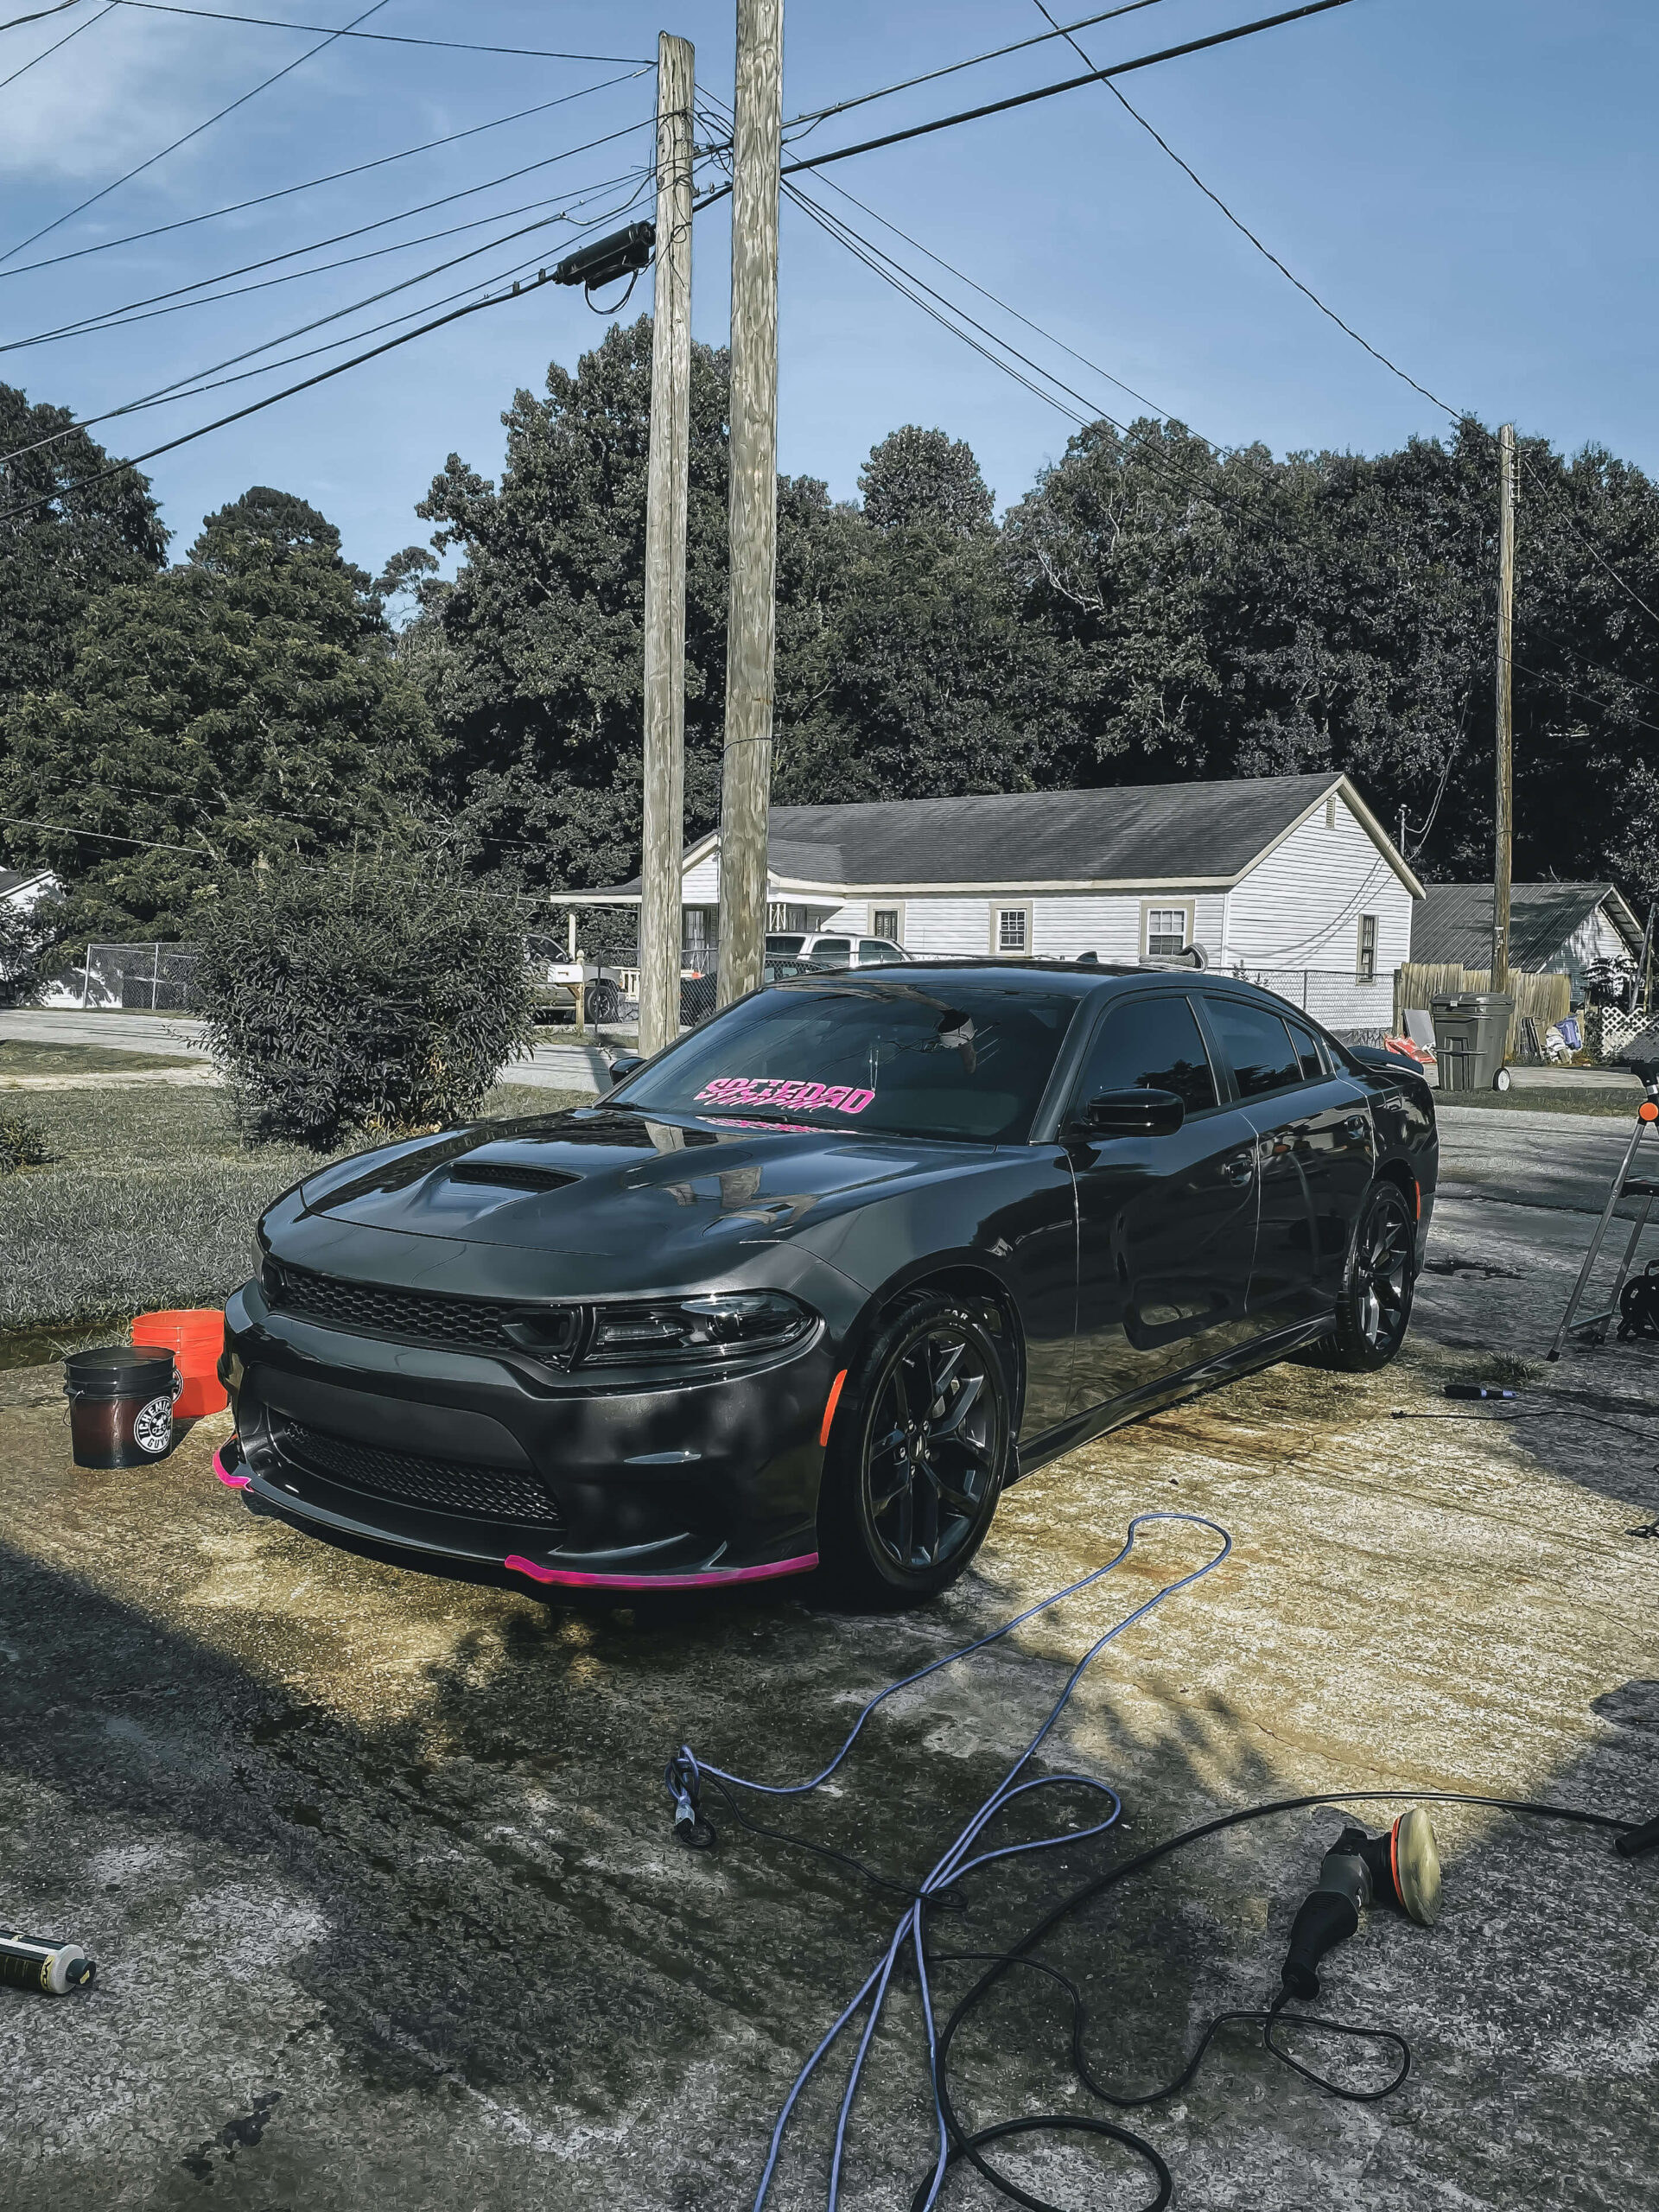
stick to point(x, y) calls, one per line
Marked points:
point(830, 1403)
point(1647, 1111)
point(1417, 1194)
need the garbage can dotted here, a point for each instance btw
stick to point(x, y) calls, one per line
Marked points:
point(1471, 1036)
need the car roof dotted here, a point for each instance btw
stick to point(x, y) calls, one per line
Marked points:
point(1108, 977)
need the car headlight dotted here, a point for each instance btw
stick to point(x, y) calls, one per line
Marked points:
point(725, 1324)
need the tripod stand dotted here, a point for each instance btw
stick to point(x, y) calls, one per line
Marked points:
point(1626, 1186)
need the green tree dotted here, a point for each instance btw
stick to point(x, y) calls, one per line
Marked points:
point(924, 476)
point(60, 549)
point(533, 657)
point(240, 706)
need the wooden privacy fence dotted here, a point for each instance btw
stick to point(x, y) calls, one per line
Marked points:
point(1541, 1000)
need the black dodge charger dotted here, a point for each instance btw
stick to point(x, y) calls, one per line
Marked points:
point(811, 1287)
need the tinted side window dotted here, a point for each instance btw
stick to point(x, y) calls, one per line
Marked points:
point(835, 952)
point(1307, 1051)
point(875, 952)
point(1151, 1045)
point(1258, 1044)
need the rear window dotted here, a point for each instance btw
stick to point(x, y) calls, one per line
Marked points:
point(785, 943)
point(1258, 1044)
point(966, 1061)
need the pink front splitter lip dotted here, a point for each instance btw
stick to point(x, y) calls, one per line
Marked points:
point(229, 1481)
point(569, 1578)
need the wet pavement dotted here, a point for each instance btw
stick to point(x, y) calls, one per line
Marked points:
point(379, 1872)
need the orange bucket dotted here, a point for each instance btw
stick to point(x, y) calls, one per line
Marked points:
point(196, 1338)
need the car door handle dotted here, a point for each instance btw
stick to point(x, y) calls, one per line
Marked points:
point(1239, 1167)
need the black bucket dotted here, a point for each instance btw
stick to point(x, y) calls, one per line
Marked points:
point(120, 1404)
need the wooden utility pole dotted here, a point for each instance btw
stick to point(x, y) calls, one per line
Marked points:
point(1503, 855)
point(665, 498)
point(751, 630)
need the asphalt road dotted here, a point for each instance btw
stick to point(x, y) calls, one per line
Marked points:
point(556, 1063)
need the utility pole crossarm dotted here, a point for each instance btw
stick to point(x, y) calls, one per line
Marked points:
point(664, 811)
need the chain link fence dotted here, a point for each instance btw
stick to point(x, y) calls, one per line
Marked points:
point(156, 978)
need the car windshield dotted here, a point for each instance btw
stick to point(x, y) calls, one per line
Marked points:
point(934, 1057)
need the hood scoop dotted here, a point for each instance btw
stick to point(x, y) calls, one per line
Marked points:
point(509, 1175)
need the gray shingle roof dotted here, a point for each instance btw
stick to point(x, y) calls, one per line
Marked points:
point(1135, 833)
point(1454, 922)
point(1140, 832)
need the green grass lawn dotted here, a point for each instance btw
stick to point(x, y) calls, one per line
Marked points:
point(149, 1200)
point(24, 1056)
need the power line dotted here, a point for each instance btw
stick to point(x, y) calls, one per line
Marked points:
point(191, 386)
point(1048, 92)
point(146, 310)
point(882, 264)
point(40, 15)
point(963, 277)
point(1569, 517)
point(815, 115)
point(1613, 712)
point(204, 851)
point(46, 52)
point(335, 177)
point(1105, 76)
point(381, 38)
point(105, 191)
point(134, 461)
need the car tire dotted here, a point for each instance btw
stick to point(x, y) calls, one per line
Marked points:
point(603, 1004)
point(919, 1450)
point(1379, 1280)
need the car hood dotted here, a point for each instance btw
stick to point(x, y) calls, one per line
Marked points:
point(658, 1194)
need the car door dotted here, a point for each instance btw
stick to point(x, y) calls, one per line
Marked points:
point(1166, 1226)
point(1314, 1154)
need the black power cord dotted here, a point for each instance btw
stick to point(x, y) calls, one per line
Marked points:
point(968, 2144)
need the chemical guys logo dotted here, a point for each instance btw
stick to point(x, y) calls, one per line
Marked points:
point(152, 1426)
point(767, 1091)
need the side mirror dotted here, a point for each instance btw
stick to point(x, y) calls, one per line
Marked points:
point(1135, 1114)
point(623, 1066)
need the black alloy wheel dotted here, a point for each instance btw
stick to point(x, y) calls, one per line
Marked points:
point(1373, 1305)
point(918, 1454)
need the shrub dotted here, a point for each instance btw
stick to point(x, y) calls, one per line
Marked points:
point(22, 1141)
point(29, 937)
point(376, 996)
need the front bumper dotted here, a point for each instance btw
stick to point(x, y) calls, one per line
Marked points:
point(468, 1464)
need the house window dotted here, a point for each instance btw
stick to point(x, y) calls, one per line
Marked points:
point(1166, 929)
point(1365, 969)
point(884, 922)
point(1011, 930)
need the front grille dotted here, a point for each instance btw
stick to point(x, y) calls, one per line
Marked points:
point(426, 1317)
point(445, 1487)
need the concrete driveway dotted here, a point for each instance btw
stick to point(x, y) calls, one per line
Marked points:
point(379, 1872)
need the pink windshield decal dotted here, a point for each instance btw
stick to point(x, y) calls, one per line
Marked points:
point(775, 1090)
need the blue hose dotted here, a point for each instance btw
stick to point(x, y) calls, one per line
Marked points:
point(686, 1773)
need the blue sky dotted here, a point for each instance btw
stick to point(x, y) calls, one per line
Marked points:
point(1470, 183)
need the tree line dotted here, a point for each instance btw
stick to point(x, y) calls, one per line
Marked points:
point(1151, 610)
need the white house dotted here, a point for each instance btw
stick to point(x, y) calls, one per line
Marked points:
point(1555, 929)
point(1290, 879)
